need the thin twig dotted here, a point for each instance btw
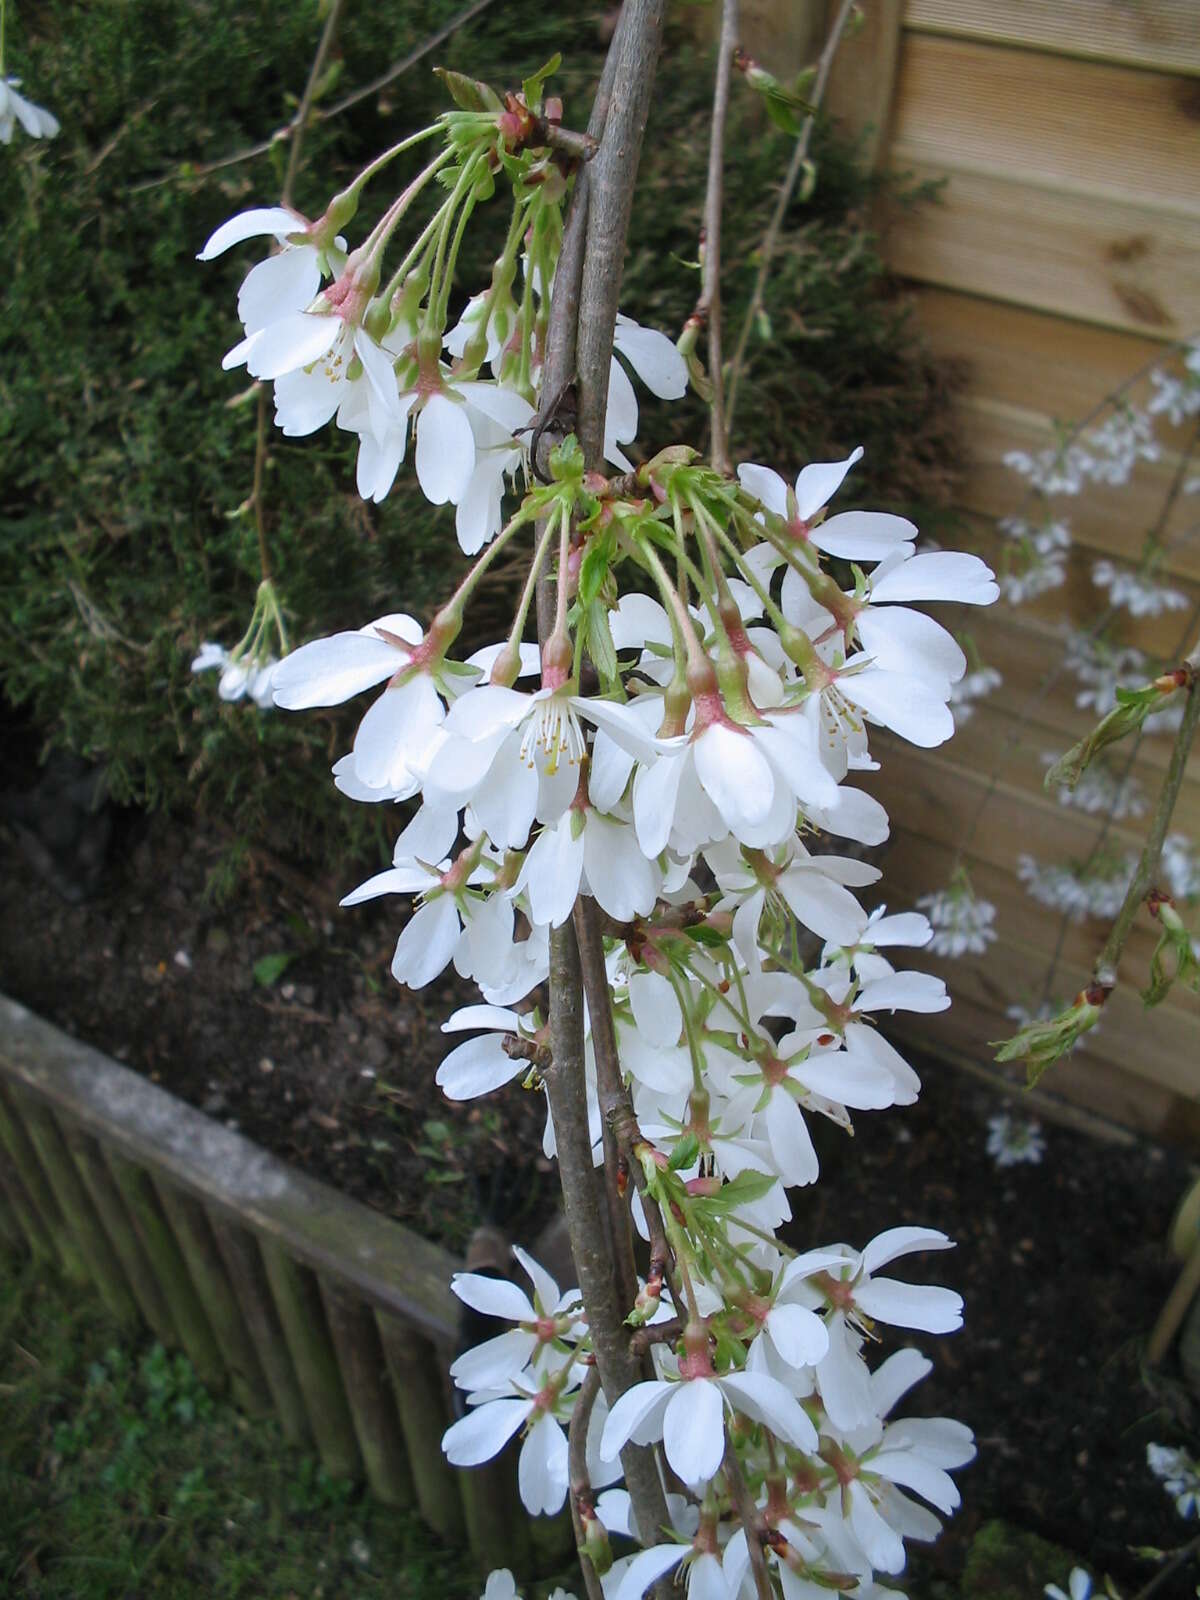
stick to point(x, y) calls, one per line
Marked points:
point(1177, 1560)
point(1107, 824)
point(289, 129)
point(577, 1474)
point(770, 243)
point(616, 1108)
point(1105, 970)
point(751, 1521)
point(300, 120)
point(708, 307)
point(422, 50)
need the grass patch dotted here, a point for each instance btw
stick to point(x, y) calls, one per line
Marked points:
point(122, 1478)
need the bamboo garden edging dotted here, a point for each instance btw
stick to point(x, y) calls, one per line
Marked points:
point(300, 1302)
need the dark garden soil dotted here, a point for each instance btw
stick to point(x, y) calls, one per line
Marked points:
point(321, 1058)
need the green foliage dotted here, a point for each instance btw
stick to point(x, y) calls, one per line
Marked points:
point(127, 455)
point(121, 1475)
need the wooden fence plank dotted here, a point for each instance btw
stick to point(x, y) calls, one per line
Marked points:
point(413, 1365)
point(33, 1230)
point(372, 1406)
point(12, 1235)
point(390, 1266)
point(1158, 1047)
point(248, 1276)
point(1115, 263)
point(29, 1169)
point(1101, 1087)
point(162, 1248)
point(1145, 33)
point(1106, 519)
point(189, 1224)
point(862, 82)
point(1087, 127)
point(916, 864)
point(298, 1302)
point(1038, 689)
point(106, 1198)
point(1045, 364)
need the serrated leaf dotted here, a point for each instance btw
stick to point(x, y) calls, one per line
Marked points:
point(469, 93)
point(600, 642)
point(743, 1190)
point(703, 934)
point(595, 565)
point(532, 87)
point(269, 969)
point(684, 1153)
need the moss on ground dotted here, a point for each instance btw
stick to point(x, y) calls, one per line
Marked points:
point(121, 1476)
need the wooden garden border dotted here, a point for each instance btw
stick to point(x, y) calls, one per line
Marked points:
point(303, 1304)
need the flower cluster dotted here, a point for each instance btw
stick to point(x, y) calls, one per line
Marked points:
point(962, 923)
point(1179, 1475)
point(1013, 1141)
point(1093, 888)
point(680, 749)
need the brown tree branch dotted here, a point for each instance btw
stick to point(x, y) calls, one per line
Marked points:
point(604, 204)
point(611, 178)
point(748, 1515)
point(577, 1475)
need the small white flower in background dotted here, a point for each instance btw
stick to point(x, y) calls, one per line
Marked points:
point(1100, 790)
point(1014, 1140)
point(1057, 471)
point(962, 923)
point(1179, 866)
point(1179, 1475)
point(1120, 442)
point(1079, 1584)
point(501, 1585)
point(1081, 890)
point(975, 685)
point(1140, 596)
point(36, 120)
point(240, 678)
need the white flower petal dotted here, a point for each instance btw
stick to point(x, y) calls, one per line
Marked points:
point(484, 1432)
point(694, 1430)
point(274, 220)
point(476, 1066)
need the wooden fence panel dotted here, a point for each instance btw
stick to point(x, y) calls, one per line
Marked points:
point(1159, 34)
point(298, 1299)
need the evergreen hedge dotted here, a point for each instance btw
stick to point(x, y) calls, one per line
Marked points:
point(125, 451)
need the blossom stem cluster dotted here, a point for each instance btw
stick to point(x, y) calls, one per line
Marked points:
point(671, 771)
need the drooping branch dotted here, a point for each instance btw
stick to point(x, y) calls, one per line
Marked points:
point(593, 248)
point(708, 307)
point(1105, 970)
point(747, 1512)
point(770, 243)
point(579, 1492)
